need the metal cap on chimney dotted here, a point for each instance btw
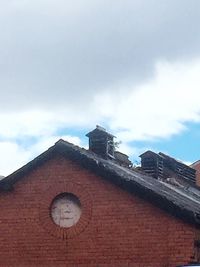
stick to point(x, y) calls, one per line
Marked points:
point(101, 142)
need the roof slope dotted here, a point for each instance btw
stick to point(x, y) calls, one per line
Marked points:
point(179, 202)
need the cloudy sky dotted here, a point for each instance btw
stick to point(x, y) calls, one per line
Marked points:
point(132, 67)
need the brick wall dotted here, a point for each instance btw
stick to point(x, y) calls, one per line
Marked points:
point(116, 228)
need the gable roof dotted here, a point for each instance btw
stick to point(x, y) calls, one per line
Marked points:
point(179, 202)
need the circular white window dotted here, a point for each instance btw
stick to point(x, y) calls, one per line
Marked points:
point(65, 210)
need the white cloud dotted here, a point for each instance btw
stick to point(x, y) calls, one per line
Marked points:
point(12, 157)
point(129, 66)
point(59, 54)
point(45, 142)
point(158, 108)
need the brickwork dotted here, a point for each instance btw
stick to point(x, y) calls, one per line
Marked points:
point(116, 229)
point(196, 166)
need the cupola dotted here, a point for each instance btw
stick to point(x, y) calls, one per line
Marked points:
point(162, 167)
point(101, 142)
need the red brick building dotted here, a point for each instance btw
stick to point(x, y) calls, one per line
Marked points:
point(77, 207)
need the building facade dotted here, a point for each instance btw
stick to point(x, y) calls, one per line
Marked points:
point(73, 207)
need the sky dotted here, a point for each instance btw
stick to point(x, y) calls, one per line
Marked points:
point(131, 66)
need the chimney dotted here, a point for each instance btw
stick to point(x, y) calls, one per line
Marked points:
point(161, 166)
point(101, 142)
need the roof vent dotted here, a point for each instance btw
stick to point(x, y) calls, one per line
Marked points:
point(161, 166)
point(101, 142)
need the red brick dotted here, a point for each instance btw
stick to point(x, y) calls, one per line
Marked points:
point(118, 230)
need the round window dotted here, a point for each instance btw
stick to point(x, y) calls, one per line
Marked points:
point(65, 210)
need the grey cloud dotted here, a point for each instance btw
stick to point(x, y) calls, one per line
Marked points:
point(61, 53)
